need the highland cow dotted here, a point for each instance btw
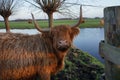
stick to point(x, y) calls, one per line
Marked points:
point(22, 55)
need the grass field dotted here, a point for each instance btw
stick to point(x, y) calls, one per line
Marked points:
point(89, 23)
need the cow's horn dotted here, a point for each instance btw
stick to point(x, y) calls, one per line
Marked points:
point(80, 19)
point(36, 24)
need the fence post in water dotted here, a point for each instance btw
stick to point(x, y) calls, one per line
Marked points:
point(110, 48)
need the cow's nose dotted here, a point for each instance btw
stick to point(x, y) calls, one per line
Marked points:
point(63, 42)
point(63, 45)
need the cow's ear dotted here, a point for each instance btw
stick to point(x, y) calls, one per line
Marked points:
point(74, 31)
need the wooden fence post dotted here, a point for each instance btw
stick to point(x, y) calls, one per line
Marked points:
point(109, 49)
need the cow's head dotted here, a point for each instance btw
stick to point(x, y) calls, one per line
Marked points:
point(62, 36)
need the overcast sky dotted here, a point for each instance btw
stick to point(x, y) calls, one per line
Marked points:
point(93, 8)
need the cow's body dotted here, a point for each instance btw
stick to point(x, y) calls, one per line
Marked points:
point(22, 56)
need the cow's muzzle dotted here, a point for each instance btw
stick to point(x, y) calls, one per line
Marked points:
point(63, 45)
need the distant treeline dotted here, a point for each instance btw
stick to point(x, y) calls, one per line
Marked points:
point(17, 20)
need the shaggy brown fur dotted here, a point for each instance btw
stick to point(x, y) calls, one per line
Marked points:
point(22, 56)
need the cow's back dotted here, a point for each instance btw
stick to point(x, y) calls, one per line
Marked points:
point(22, 55)
point(16, 60)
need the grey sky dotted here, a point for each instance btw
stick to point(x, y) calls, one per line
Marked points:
point(88, 11)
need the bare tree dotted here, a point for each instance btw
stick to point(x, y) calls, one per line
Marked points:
point(49, 7)
point(6, 9)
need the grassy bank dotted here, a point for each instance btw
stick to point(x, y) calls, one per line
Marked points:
point(89, 23)
point(80, 66)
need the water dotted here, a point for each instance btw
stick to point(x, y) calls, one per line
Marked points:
point(88, 39)
point(26, 31)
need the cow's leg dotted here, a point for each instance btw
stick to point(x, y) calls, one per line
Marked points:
point(45, 76)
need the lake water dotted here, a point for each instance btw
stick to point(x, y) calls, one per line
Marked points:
point(88, 39)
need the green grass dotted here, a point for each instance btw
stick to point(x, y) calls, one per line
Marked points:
point(80, 65)
point(89, 23)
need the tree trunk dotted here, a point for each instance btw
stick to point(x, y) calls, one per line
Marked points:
point(7, 24)
point(50, 19)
